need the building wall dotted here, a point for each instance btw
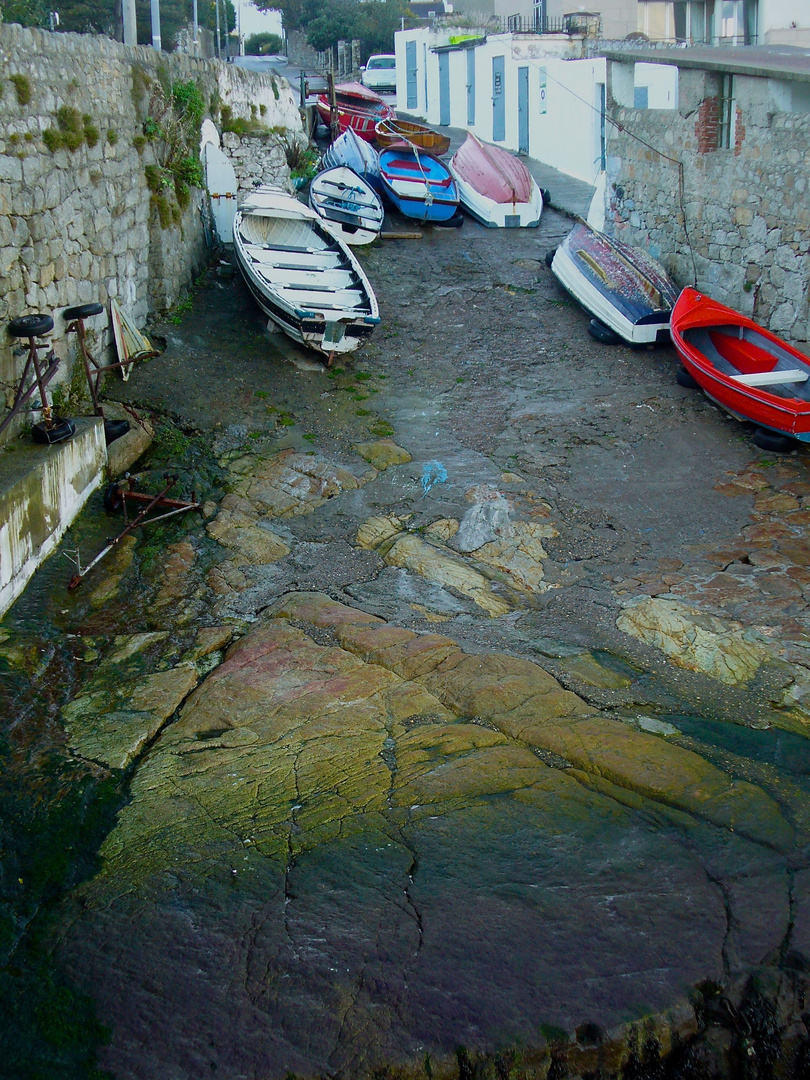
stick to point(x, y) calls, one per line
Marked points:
point(80, 226)
point(738, 227)
point(571, 99)
point(776, 15)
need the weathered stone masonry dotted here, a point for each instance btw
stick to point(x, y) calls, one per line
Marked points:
point(77, 226)
point(745, 209)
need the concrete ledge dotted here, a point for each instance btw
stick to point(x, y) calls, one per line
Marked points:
point(42, 489)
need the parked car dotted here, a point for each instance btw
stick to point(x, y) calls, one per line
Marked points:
point(380, 74)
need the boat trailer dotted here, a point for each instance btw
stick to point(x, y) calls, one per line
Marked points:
point(117, 497)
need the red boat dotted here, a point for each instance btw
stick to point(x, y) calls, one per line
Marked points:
point(746, 369)
point(358, 108)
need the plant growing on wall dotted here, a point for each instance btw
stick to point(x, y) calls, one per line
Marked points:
point(173, 115)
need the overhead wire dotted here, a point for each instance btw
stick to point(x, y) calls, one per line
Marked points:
point(629, 132)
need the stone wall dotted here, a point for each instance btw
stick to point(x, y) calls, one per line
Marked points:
point(737, 222)
point(256, 159)
point(81, 225)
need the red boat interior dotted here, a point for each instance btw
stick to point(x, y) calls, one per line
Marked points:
point(752, 359)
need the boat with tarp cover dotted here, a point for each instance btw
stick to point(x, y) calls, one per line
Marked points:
point(629, 294)
point(746, 369)
point(357, 108)
point(495, 186)
point(301, 275)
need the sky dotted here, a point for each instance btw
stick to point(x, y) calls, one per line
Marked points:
point(252, 21)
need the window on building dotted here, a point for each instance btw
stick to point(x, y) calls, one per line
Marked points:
point(654, 19)
point(726, 114)
point(689, 18)
point(735, 22)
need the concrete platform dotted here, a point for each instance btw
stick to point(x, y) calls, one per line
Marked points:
point(42, 489)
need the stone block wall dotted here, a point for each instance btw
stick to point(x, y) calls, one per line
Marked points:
point(734, 222)
point(80, 225)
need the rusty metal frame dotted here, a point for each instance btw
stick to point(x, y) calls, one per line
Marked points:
point(149, 502)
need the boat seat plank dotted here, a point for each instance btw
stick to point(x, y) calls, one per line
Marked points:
point(315, 260)
point(768, 378)
point(341, 300)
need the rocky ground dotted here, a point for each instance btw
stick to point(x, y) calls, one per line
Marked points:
point(463, 734)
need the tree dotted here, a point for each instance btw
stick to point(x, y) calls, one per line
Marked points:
point(90, 17)
point(372, 22)
point(261, 44)
point(25, 12)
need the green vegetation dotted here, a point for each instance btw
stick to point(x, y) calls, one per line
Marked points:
point(112, 136)
point(381, 429)
point(372, 22)
point(262, 44)
point(72, 131)
point(171, 122)
point(22, 88)
point(181, 308)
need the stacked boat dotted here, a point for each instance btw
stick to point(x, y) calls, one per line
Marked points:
point(301, 274)
point(355, 107)
point(395, 130)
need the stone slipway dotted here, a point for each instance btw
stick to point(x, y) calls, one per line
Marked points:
point(360, 847)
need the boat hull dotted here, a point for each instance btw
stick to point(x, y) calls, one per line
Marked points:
point(496, 215)
point(350, 150)
point(358, 109)
point(623, 288)
point(310, 285)
point(723, 350)
point(495, 186)
point(418, 184)
point(347, 204)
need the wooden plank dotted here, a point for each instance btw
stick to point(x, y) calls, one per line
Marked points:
point(400, 236)
point(770, 378)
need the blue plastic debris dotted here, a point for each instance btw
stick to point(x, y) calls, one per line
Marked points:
point(433, 472)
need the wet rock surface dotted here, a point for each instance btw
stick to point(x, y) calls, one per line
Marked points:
point(464, 733)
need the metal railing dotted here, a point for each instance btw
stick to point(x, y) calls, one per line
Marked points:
point(531, 24)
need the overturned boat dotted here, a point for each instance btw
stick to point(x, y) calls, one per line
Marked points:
point(301, 275)
point(495, 186)
point(348, 205)
point(629, 294)
point(350, 150)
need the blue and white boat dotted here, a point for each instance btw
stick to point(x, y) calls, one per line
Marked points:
point(356, 154)
point(348, 205)
point(417, 183)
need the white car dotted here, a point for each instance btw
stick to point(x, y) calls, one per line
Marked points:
point(380, 74)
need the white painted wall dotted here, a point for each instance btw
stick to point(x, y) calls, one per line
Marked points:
point(565, 136)
point(39, 503)
point(779, 14)
point(661, 81)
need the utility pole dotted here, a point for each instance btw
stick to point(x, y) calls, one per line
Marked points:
point(195, 42)
point(218, 42)
point(155, 5)
point(130, 27)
